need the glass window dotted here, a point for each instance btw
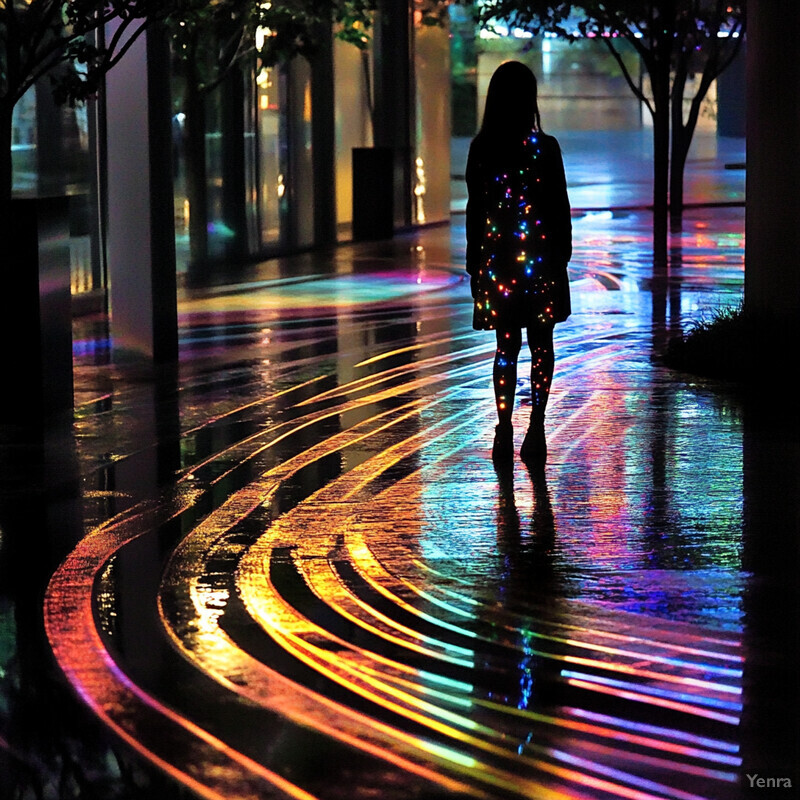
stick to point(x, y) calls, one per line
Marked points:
point(353, 123)
point(430, 173)
point(268, 161)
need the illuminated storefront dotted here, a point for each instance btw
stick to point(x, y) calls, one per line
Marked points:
point(262, 158)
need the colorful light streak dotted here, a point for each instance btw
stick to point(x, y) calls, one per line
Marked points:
point(501, 614)
point(625, 777)
point(381, 581)
point(583, 643)
point(332, 666)
point(363, 670)
point(655, 701)
point(306, 559)
point(213, 769)
point(657, 730)
point(704, 700)
point(356, 486)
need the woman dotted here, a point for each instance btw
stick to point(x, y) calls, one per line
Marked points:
point(519, 240)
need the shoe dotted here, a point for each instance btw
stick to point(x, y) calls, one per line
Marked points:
point(534, 445)
point(503, 447)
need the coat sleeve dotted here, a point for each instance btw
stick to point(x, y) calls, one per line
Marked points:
point(476, 212)
point(562, 215)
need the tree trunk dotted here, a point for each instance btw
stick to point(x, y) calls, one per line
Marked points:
point(683, 132)
point(681, 141)
point(678, 148)
point(660, 164)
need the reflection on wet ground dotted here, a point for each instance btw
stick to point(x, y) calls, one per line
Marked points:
point(291, 569)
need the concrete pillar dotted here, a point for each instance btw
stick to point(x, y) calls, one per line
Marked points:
point(772, 277)
point(141, 230)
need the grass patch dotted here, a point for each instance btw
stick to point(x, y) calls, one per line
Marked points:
point(718, 347)
point(739, 348)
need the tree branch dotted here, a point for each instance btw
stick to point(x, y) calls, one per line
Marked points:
point(626, 73)
point(114, 57)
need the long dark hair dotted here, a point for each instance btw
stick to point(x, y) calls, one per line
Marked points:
point(512, 107)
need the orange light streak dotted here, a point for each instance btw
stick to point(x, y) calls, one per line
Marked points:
point(218, 772)
point(313, 655)
point(337, 605)
point(319, 659)
point(447, 340)
point(371, 380)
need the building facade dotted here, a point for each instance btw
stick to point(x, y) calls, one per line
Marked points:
point(261, 163)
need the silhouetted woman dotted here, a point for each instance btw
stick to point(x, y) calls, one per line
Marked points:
point(519, 240)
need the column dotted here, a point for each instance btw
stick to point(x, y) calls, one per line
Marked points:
point(772, 279)
point(393, 121)
point(141, 230)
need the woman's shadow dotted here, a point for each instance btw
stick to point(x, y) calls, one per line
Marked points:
point(527, 550)
point(529, 589)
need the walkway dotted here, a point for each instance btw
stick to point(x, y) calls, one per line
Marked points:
point(292, 570)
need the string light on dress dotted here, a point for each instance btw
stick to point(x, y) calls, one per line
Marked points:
point(515, 213)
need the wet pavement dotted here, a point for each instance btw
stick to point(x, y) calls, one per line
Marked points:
point(290, 569)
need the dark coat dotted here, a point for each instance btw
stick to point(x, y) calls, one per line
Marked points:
point(519, 232)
